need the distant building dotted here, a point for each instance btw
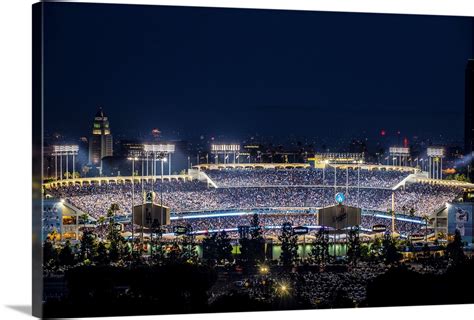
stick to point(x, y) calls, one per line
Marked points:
point(100, 143)
point(469, 116)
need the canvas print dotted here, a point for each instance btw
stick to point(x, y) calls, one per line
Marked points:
point(193, 159)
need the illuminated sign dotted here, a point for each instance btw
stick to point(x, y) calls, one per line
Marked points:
point(148, 197)
point(460, 216)
point(416, 237)
point(379, 228)
point(180, 230)
point(300, 230)
point(340, 198)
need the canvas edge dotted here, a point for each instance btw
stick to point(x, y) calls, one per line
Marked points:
point(37, 139)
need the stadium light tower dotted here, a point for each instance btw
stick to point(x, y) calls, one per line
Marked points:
point(400, 155)
point(422, 165)
point(146, 162)
point(358, 186)
point(133, 159)
point(163, 159)
point(157, 151)
point(61, 151)
point(435, 158)
point(226, 150)
point(169, 164)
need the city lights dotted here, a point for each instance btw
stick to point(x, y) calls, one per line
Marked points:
point(264, 269)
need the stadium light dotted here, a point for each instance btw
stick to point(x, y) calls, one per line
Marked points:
point(283, 289)
point(225, 149)
point(166, 148)
point(64, 150)
point(159, 151)
point(133, 159)
point(264, 269)
point(435, 161)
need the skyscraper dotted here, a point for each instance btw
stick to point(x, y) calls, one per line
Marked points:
point(100, 143)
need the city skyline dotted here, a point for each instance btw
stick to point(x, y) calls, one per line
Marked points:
point(370, 72)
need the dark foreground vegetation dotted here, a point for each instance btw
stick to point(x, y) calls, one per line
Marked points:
point(110, 276)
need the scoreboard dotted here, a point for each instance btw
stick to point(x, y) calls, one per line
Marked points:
point(339, 216)
point(151, 215)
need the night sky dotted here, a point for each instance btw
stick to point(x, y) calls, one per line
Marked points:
point(204, 71)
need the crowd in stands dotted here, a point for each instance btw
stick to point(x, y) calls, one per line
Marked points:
point(312, 176)
point(184, 197)
point(196, 196)
point(423, 198)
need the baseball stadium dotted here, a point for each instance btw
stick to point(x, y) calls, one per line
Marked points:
point(214, 197)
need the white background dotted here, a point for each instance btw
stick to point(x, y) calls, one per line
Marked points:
point(15, 152)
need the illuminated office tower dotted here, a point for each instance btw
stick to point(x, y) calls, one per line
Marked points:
point(100, 143)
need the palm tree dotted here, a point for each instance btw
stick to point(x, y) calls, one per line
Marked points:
point(455, 250)
point(84, 219)
point(111, 212)
point(101, 220)
point(53, 235)
point(289, 246)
